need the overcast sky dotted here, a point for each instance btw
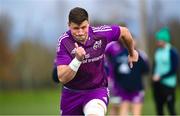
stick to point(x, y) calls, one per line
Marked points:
point(48, 18)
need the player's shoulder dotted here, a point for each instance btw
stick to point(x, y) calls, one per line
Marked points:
point(63, 36)
point(112, 44)
point(102, 28)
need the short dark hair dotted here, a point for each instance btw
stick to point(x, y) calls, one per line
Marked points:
point(78, 15)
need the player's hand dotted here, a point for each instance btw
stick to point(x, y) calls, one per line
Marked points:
point(80, 52)
point(133, 58)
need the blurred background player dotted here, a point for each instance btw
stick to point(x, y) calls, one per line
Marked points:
point(127, 84)
point(164, 73)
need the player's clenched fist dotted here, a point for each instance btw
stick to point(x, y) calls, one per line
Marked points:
point(80, 52)
point(133, 58)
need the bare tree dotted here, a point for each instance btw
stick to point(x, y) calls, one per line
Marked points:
point(5, 51)
point(34, 63)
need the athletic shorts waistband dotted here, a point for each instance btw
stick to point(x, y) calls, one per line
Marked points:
point(75, 90)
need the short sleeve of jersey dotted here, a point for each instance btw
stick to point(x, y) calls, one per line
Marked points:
point(115, 34)
point(112, 33)
point(62, 57)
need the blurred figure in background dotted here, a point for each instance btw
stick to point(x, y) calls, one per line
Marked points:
point(164, 73)
point(126, 85)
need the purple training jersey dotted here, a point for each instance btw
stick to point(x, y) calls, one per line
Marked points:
point(91, 74)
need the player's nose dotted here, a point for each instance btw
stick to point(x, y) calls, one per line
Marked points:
point(80, 32)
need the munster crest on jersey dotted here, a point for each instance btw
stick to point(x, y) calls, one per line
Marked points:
point(97, 45)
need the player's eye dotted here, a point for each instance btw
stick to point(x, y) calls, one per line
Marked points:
point(76, 28)
point(83, 27)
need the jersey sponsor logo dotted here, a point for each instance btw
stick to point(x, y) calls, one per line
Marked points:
point(97, 45)
point(93, 59)
point(87, 56)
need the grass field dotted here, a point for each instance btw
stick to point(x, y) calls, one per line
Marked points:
point(46, 102)
point(36, 102)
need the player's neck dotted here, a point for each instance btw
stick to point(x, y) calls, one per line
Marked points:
point(83, 41)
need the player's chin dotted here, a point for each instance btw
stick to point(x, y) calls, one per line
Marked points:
point(81, 38)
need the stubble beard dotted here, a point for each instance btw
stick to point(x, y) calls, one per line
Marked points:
point(81, 39)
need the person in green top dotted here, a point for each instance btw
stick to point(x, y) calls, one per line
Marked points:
point(164, 73)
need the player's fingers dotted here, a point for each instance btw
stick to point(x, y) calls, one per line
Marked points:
point(76, 45)
point(84, 52)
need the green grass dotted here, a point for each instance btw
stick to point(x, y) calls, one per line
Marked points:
point(39, 102)
point(46, 102)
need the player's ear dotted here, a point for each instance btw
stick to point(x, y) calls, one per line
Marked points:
point(69, 25)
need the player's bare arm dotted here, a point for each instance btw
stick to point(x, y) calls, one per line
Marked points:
point(129, 43)
point(67, 72)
